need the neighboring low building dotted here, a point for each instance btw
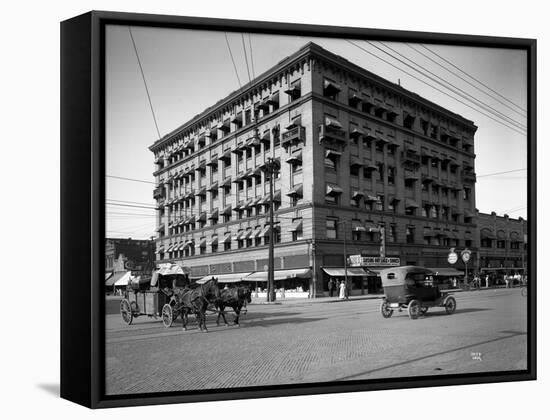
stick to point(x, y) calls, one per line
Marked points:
point(122, 254)
point(502, 244)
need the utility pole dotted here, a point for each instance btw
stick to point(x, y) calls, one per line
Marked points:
point(272, 167)
point(346, 259)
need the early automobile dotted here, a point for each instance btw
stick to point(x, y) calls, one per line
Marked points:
point(148, 296)
point(412, 288)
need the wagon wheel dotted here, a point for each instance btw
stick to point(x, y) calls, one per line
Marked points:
point(423, 310)
point(413, 309)
point(126, 311)
point(385, 309)
point(167, 315)
point(450, 305)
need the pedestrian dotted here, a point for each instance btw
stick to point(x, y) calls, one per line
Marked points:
point(342, 290)
point(507, 281)
point(330, 287)
point(487, 281)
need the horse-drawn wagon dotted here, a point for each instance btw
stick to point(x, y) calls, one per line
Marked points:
point(148, 296)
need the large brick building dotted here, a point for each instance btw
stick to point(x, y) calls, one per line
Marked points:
point(357, 152)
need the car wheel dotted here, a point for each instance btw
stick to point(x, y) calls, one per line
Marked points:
point(385, 309)
point(450, 305)
point(413, 309)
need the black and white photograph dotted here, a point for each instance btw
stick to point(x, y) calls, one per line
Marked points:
point(284, 210)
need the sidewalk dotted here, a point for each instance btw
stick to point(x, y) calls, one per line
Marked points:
point(324, 299)
point(327, 299)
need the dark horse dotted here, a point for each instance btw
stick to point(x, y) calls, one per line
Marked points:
point(196, 301)
point(234, 297)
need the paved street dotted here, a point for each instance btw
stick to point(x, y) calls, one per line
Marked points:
point(304, 342)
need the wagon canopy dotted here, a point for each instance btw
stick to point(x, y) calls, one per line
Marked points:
point(168, 270)
point(396, 276)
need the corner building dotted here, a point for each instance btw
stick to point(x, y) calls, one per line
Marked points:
point(363, 162)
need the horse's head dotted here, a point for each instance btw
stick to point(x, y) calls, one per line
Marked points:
point(245, 294)
point(211, 289)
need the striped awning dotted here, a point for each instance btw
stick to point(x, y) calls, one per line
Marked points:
point(301, 273)
point(341, 272)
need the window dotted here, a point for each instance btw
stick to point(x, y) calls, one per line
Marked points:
point(276, 137)
point(380, 171)
point(410, 235)
point(330, 89)
point(354, 170)
point(214, 248)
point(297, 234)
point(295, 90)
point(514, 245)
point(409, 183)
point(433, 212)
point(380, 146)
point(367, 173)
point(425, 211)
point(468, 242)
point(379, 203)
point(424, 125)
point(501, 244)
point(408, 121)
point(331, 199)
point(391, 175)
point(331, 225)
point(227, 246)
point(467, 193)
point(331, 162)
point(392, 233)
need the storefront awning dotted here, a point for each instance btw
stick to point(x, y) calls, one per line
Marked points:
point(123, 280)
point(116, 277)
point(341, 272)
point(226, 238)
point(301, 273)
point(224, 278)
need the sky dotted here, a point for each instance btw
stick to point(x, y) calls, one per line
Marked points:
point(187, 71)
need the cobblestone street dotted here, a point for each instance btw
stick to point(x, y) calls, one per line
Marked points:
point(304, 342)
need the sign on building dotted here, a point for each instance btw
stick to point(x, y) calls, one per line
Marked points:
point(360, 261)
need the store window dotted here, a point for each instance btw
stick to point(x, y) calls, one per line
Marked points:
point(331, 226)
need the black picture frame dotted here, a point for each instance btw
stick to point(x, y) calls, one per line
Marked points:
point(83, 214)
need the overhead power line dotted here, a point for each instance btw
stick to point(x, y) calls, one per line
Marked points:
point(130, 205)
point(246, 58)
point(131, 179)
point(130, 202)
point(465, 80)
point(473, 78)
point(144, 81)
point(501, 173)
point(455, 89)
point(251, 56)
point(434, 87)
point(232, 59)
